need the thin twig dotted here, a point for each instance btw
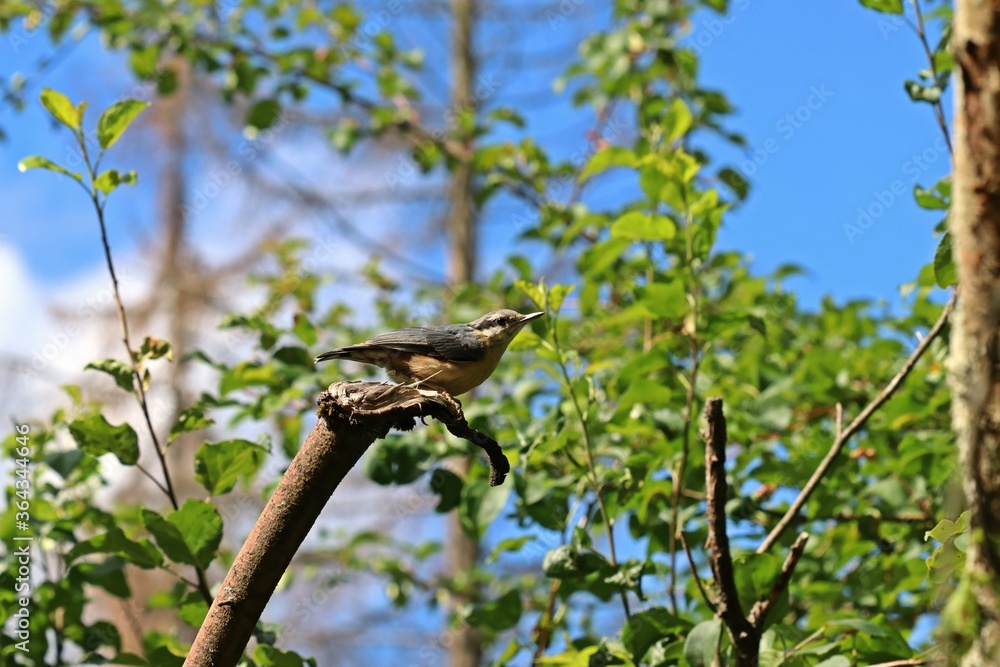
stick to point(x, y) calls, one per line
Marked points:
point(938, 106)
point(544, 627)
point(760, 610)
point(854, 427)
point(152, 479)
point(697, 578)
point(589, 453)
point(678, 477)
point(140, 394)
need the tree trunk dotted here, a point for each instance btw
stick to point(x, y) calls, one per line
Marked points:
point(975, 350)
point(466, 647)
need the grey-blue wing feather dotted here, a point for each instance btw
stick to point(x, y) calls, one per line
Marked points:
point(455, 342)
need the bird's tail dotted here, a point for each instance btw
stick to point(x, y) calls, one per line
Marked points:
point(352, 352)
point(339, 353)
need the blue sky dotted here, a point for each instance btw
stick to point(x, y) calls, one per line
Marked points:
point(819, 97)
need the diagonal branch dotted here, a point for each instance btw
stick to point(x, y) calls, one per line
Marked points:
point(352, 415)
point(758, 615)
point(697, 578)
point(855, 426)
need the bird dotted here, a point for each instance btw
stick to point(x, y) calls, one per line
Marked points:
point(454, 358)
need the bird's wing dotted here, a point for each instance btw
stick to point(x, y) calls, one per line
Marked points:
point(441, 342)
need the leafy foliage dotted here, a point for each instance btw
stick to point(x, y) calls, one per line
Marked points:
point(597, 404)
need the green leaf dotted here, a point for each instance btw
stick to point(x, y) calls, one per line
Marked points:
point(535, 292)
point(481, 504)
point(509, 544)
point(735, 181)
point(647, 627)
point(946, 528)
point(884, 6)
point(835, 661)
point(119, 370)
point(193, 612)
point(269, 656)
point(558, 294)
point(188, 535)
point(191, 419)
point(448, 486)
point(141, 553)
point(612, 156)
point(219, 465)
point(567, 562)
point(304, 329)
point(65, 462)
point(107, 181)
point(108, 574)
point(921, 93)
point(96, 436)
point(500, 614)
point(754, 577)
point(935, 198)
point(638, 226)
point(155, 348)
point(39, 162)
point(701, 642)
point(395, 461)
point(945, 273)
point(677, 121)
point(61, 108)
point(666, 299)
point(116, 119)
point(263, 114)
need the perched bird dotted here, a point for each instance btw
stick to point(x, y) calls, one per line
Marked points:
point(453, 358)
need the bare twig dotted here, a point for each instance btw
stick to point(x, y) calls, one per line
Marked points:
point(929, 52)
point(758, 615)
point(678, 474)
point(854, 427)
point(588, 451)
point(741, 631)
point(697, 578)
point(744, 630)
point(543, 629)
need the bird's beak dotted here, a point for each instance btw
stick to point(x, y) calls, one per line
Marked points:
point(531, 316)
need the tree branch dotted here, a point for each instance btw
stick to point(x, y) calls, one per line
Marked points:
point(762, 607)
point(744, 631)
point(697, 578)
point(352, 415)
point(728, 608)
point(855, 426)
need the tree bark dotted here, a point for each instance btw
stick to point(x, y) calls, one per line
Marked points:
point(352, 415)
point(463, 552)
point(974, 225)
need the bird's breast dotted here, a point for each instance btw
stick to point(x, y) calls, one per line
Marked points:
point(455, 377)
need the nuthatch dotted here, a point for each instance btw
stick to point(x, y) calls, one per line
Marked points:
point(453, 358)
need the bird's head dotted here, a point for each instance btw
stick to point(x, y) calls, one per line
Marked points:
point(499, 327)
